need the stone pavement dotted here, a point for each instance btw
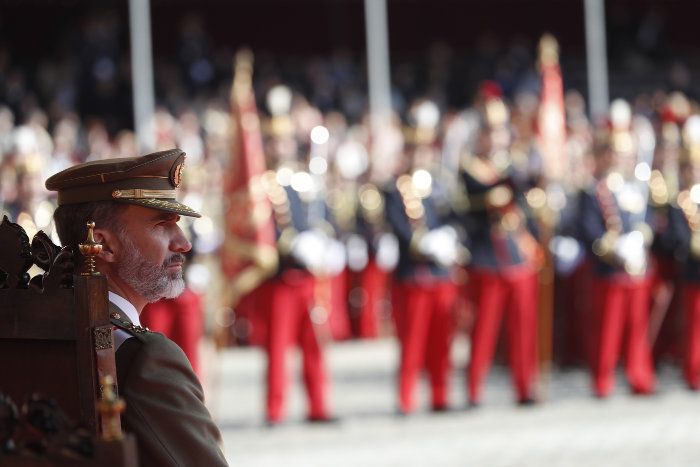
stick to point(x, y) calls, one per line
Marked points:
point(570, 429)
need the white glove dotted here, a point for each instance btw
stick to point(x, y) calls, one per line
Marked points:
point(333, 257)
point(387, 256)
point(440, 245)
point(567, 252)
point(357, 252)
point(308, 249)
point(630, 250)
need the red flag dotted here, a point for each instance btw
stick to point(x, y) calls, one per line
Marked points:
point(552, 118)
point(249, 253)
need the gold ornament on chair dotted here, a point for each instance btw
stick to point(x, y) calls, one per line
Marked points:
point(90, 249)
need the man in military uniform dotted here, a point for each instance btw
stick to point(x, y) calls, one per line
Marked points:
point(684, 220)
point(132, 202)
point(505, 257)
point(372, 251)
point(289, 302)
point(424, 293)
point(665, 316)
point(296, 310)
point(382, 256)
point(613, 226)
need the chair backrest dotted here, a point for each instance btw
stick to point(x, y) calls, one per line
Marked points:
point(55, 331)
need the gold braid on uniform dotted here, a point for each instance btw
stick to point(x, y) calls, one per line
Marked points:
point(371, 204)
point(692, 216)
point(658, 189)
point(503, 207)
point(281, 211)
point(603, 247)
point(127, 325)
point(343, 204)
point(412, 198)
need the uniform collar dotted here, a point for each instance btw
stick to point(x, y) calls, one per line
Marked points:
point(126, 307)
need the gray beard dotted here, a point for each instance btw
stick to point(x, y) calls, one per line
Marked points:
point(151, 281)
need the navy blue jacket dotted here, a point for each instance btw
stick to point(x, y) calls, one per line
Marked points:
point(411, 266)
point(299, 212)
point(680, 235)
point(491, 246)
point(591, 227)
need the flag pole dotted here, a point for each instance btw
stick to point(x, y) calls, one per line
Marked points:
point(596, 57)
point(377, 34)
point(142, 73)
point(551, 126)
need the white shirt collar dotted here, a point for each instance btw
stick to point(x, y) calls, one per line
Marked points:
point(126, 306)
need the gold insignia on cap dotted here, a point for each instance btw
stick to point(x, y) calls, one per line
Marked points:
point(176, 177)
point(140, 193)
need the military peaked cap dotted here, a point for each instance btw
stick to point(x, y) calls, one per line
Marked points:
point(149, 181)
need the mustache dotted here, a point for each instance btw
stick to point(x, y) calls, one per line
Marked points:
point(175, 258)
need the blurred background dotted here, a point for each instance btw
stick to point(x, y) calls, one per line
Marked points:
point(339, 92)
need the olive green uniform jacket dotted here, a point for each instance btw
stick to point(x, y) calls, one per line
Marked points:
point(164, 401)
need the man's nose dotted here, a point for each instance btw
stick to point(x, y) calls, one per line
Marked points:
point(179, 242)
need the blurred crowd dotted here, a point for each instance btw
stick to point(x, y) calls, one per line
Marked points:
point(444, 222)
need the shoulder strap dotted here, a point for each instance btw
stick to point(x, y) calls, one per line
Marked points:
point(608, 207)
point(119, 319)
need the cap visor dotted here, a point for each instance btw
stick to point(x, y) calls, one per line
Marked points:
point(168, 205)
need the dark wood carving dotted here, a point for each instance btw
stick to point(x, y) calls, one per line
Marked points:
point(17, 255)
point(42, 434)
point(44, 251)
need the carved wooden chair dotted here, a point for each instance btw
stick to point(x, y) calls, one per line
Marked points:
point(56, 358)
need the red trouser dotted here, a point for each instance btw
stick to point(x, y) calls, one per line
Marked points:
point(374, 283)
point(250, 327)
point(288, 302)
point(425, 315)
point(515, 293)
point(622, 307)
point(180, 319)
point(691, 364)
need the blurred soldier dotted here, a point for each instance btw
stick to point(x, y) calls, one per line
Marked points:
point(684, 218)
point(350, 162)
point(331, 289)
point(288, 299)
point(428, 248)
point(612, 225)
point(372, 251)
point(382, 257)
point(665, 317)
point(503, 269)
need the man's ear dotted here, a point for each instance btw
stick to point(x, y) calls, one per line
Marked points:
point(110, 244)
